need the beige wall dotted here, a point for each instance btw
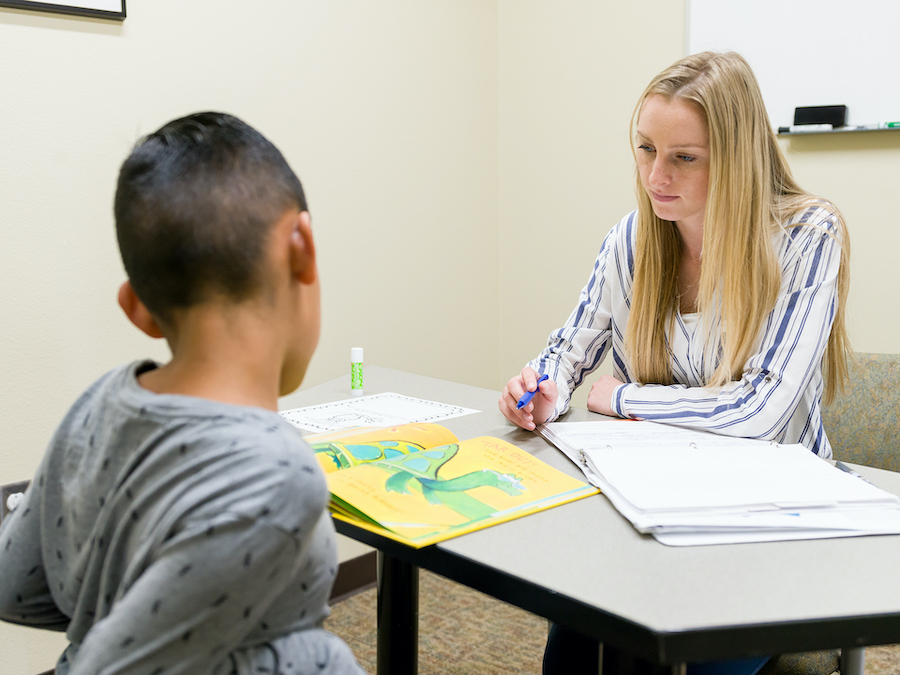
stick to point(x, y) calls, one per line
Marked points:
point(388, 112)
point(860, 172)
point(463, 160)
point(570, 74)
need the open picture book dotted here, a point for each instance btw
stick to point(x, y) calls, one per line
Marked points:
point(419, 484)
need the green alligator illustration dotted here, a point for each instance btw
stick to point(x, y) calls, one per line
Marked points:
point(345, 455)
point(419, 470)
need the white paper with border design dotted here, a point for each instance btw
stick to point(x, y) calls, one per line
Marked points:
point(377, 410)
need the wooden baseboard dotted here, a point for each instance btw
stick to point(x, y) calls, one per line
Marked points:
point(355, 575)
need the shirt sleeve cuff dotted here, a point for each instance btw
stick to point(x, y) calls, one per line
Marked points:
point(618, 400)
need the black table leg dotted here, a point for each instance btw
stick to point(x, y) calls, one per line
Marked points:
point(398, 617)
point(619, 662)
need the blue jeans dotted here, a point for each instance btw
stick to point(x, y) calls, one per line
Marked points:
point(570, 653)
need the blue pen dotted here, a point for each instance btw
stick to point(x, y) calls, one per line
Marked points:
point(528, 395)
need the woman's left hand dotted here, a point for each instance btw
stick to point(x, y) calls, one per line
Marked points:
point(600, 398)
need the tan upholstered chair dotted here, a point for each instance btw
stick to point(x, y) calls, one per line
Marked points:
point(807, 663)
point(863, 424)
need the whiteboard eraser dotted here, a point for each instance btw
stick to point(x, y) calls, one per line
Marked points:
point(835, 115)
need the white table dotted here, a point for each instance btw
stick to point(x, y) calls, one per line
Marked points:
point(584, 566)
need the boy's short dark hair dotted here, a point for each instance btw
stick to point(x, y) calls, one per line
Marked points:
point(194, 206)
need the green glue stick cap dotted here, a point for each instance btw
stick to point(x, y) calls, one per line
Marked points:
point(356, 371)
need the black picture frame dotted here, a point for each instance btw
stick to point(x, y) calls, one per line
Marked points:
point(84, 8)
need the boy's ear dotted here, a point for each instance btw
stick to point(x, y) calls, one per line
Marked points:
point(137, 312)
point(303, 250)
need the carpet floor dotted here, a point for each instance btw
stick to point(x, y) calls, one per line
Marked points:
point(464, 632)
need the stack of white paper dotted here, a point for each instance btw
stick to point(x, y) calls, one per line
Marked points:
point(687, 487)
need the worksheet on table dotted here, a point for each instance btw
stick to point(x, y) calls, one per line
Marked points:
point(378, 410)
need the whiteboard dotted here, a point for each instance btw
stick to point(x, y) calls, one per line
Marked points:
point(809, 52)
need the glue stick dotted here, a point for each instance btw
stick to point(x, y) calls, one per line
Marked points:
point(356, 371)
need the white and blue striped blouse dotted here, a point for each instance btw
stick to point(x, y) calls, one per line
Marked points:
point(778, 396)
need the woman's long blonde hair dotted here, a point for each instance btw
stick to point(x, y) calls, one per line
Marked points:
point(751, 194)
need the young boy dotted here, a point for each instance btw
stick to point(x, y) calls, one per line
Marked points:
point(177, 524)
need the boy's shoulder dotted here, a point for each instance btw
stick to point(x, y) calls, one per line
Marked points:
point(245, 463)
point(115, 413)
point(121, 439)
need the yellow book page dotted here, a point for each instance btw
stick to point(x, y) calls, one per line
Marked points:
point(345, 448)
point(448, 490)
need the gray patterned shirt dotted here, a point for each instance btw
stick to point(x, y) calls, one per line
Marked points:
point(171, 534)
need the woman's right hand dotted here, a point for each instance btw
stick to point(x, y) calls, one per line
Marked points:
point(538, 410)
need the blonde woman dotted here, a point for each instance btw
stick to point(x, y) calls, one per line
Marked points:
point(722, 296)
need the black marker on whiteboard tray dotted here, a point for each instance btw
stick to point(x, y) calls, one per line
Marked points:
point(800, 128)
